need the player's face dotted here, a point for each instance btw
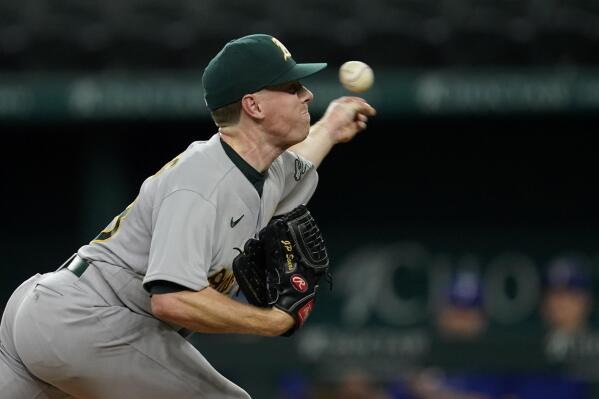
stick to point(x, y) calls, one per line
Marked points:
point(286, 109)
point(566, 310)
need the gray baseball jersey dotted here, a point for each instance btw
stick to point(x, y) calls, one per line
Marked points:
point(190, 216)
point(182, 228)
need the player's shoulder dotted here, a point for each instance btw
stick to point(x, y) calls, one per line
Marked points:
point(290, 157)
point(291, 163)
point(199, 168)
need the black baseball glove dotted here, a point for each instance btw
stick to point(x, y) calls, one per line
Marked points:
point(284, 265)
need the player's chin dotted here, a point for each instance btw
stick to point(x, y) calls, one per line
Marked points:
point(306, 115)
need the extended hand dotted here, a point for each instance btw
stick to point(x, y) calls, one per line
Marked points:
point(345, 117)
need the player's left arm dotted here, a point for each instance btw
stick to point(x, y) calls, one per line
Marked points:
point(344, 118)
point(209, 311)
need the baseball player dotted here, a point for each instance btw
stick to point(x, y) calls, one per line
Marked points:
point(111, 322)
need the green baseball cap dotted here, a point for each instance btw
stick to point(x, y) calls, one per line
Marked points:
point(249, 64)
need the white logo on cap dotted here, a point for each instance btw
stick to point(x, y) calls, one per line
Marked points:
point(286, 53)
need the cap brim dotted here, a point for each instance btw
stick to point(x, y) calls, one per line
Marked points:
point(298, 72)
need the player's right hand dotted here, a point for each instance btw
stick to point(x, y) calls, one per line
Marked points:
point(345, 117)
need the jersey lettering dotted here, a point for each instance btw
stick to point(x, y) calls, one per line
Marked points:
point(168, 165)
point(222, 281)
point(300, 169)
point(113, 227)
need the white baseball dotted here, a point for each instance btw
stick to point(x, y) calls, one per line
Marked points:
point(356, 76)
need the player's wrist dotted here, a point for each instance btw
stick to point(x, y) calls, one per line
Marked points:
point(325, 133)
point(281, 322)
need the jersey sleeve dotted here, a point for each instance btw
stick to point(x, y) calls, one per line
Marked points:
point(300, 181)
point(181, 247)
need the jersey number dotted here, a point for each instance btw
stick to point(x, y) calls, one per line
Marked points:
point(113, 228)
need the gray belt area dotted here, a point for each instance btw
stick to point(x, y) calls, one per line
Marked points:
point(91, 279)
point(76, 265)
point(117, 289)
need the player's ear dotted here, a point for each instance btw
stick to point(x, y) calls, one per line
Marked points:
point(250, 104)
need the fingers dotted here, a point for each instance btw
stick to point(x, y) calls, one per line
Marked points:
point(362, 118)
point(352, 98)
point(359, 105)
point(361, 121)
point(367, 109)
point(347, 116)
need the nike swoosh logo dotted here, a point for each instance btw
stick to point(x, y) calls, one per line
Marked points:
point(234, 222)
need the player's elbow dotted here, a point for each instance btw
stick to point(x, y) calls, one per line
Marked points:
point(163, 306)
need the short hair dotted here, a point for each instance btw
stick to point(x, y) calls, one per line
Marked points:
point(228, 115)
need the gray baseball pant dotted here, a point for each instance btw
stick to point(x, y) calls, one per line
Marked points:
point(63, 336)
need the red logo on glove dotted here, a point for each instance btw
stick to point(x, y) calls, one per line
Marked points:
point(305, 311)
point(299, 283)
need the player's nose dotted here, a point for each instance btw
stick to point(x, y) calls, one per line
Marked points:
point(307, 95)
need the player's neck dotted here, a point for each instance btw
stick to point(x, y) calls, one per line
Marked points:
point(252, 146)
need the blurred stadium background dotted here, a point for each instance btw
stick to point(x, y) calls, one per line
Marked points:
point(477, 174)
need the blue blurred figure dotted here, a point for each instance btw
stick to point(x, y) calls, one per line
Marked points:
point(567, 302)
point(565, 309)
point(460, 318)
